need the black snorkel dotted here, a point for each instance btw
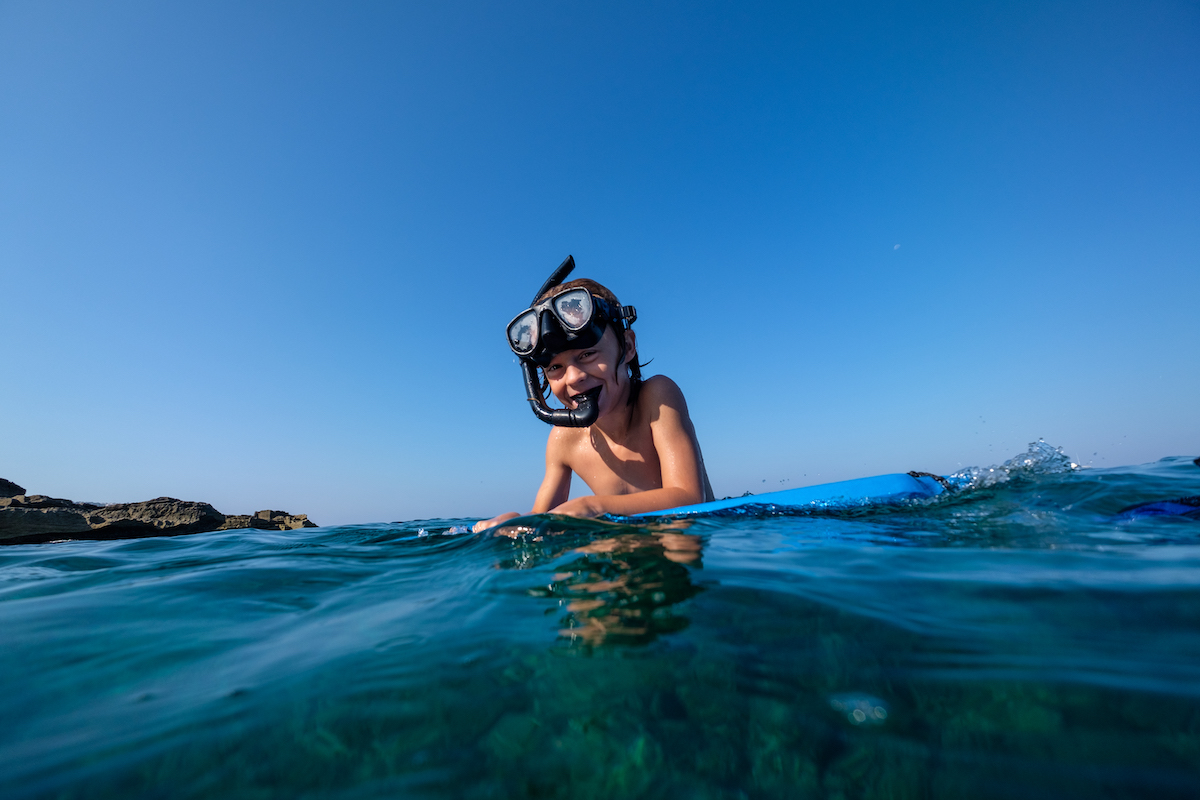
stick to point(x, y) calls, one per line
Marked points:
point(587, 409)
point(558, 276)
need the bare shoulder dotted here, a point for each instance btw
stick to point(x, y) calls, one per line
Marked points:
point(662, 389)
point(562, 442)
point(661, 392)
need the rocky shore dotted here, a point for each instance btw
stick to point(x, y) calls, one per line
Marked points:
point(26, 518)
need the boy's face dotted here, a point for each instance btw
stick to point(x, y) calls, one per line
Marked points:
point(573, 372)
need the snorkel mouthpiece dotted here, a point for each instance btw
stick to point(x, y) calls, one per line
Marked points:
point(585, 412)
point(587, 409)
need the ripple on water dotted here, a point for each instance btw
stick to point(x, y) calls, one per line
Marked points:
point(1014, 637)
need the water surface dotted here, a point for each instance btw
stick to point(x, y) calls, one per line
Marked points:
point(1018, 638)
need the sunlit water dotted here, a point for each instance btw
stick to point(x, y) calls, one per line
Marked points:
point(1018, 638)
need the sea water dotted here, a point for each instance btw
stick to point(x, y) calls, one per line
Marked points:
point(1014, 638)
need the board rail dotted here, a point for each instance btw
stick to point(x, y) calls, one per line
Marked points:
point(878, 490)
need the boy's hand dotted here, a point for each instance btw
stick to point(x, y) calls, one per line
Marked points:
point(484, 524)
point(580, 507)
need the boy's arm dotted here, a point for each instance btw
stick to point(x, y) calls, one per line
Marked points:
point(674, 438)
point(555, 488)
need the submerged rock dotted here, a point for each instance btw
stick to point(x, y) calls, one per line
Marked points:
point(38, 518)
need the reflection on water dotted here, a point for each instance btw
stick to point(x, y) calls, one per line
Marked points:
point(620, 585)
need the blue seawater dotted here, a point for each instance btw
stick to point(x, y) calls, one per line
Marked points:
point(1018, 637)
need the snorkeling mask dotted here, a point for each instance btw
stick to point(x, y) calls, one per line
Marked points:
point(572, 320)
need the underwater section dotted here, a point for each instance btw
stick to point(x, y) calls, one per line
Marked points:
point(1023, 634)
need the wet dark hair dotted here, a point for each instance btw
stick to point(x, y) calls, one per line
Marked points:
point(604, 293)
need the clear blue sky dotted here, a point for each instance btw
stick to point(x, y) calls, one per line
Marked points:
point(261, 254)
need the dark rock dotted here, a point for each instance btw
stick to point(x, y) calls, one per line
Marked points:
point(38, 518)
point(9, 489)
point(268, 521)
point(42, 501)
point(157, 516)
point(39, 524)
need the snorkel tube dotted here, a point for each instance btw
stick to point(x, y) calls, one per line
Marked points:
point(586, 410)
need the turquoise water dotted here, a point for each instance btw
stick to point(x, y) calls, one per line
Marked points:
point(1015, 639)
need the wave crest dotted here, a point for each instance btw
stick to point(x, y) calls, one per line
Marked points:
point(1040, 459)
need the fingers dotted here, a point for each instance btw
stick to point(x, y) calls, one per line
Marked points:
point(484, 524)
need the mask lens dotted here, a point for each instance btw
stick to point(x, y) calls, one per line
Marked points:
point(574, 309)
point(522, 333)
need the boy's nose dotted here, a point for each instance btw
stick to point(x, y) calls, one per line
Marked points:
point(574, 374)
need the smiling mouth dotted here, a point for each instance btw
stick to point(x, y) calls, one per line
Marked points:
point(593, 393)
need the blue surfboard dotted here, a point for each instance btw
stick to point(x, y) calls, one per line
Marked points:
point(1186, 507)
point(879, 490)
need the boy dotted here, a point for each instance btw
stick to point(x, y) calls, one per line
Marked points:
point(631, 441)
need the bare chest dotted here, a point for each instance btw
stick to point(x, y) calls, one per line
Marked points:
point(614, 468)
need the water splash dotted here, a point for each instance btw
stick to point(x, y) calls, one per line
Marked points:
point(1040, 459)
